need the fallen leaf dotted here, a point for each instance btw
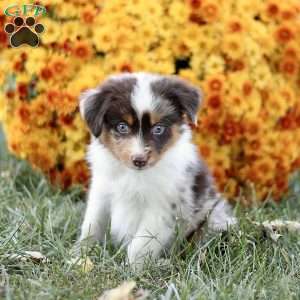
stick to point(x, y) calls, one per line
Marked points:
point(5, 174)
point(124, 292)
point(292, 226)
point(34, 256)
point(274, 227)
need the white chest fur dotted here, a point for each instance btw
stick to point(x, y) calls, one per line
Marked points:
point(138, 197)
point(150, 196)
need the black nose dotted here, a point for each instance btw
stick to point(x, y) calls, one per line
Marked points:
point(139, 161)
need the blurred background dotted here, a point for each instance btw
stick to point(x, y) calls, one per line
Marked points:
point(244, 55)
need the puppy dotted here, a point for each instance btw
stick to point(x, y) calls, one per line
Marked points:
point(147, 176)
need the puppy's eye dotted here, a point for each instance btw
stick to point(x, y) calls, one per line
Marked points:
point(122, 128)
point(158, 129)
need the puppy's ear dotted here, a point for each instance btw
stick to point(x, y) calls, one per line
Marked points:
point(184, 96)
point(93, 106)
point(113, 92)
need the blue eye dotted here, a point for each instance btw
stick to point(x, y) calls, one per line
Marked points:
point(122, 128)
point(158, 130)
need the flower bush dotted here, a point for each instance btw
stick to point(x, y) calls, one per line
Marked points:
point(245, 55)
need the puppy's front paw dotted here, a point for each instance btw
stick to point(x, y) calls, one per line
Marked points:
point(221, 217)
point(223, 224)
point(135, 261)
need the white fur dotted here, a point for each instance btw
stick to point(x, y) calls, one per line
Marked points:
point(137, 203)
point(142, 98)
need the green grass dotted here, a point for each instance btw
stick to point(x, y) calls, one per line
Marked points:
point(244, 264)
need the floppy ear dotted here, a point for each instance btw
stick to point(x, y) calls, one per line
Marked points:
point(95, 103)
point(93, 106)
point(184, 96)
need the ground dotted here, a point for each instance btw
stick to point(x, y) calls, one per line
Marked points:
point(244, 264)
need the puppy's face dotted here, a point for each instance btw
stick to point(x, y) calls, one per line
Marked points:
point(139, 117)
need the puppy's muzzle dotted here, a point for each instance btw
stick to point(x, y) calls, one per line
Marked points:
point(140, 160)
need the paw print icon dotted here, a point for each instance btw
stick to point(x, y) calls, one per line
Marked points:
point(24, 32)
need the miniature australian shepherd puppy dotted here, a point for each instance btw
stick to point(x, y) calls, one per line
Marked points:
point(147, 176)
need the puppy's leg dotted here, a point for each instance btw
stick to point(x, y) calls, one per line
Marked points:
point(221, 217)
point(151, 239)
point(97, 214)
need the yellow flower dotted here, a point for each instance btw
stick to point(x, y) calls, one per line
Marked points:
point(179, 12)
point(237, 105)
point(214, 64)
point(61, 66)
point(252, 51)
point(233, 46)
point(103, 39)
point(53, 31)
point(88, 77)
point(67, 10)
point(189, 75)
point(40, 111)
point(36, 59)
point(261, 76)
point(71, 30)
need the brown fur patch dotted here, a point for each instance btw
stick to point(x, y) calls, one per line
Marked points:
point(119, 147)
point(128, 118)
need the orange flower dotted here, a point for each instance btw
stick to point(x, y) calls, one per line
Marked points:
point(272, 9)
point(126, 67)
point(288, 122)
point(82, 50)
point(22, 90)
point(195, 4)
point(209, 11)
point(284, 34)
point(214, 101)
point(220, 177)
point(291, 51)
point(253, 148)
point(247, 88)
point(289, 67)
point(88, 15)
point(215, 83)
point(19, 66)
point(46, 73)
point(80, 173)
point(288, 14)
point(205, 151)
point(259, 171)
point(59, 67)
point(252, 128)
point(209, 125)
point(234, 25)
point(231, 130)
point(23, 112)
